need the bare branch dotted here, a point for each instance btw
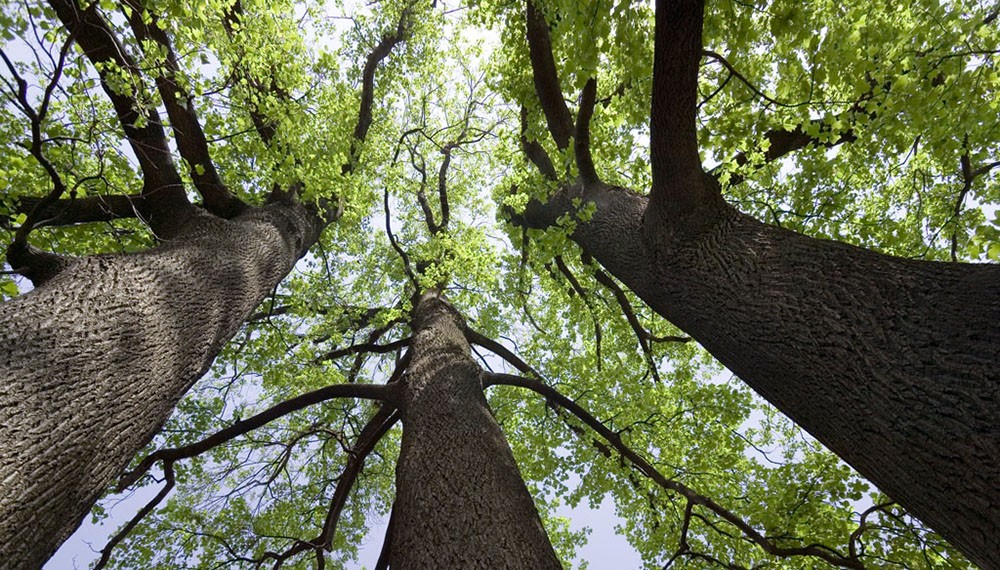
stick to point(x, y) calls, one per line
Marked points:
point(499, 350)
point(366, 347)
point(168, 476)
point(382, 392)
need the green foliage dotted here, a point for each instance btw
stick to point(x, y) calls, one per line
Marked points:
point(914, 85)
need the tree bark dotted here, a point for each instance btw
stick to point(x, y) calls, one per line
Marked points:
point(460, 499)
point(94, 360)
point(891, 363)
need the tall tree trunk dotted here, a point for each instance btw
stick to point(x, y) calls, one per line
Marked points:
point(460, 499)
point(94, 360)
point(891, 363)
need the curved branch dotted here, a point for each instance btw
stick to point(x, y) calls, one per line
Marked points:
point(443, 187)
point(366, 347)
point(162, 186)
point(380, 52)
point(395, 245)
point(499, 350)
point(371, 434)
point(626, 306)
point(382, 392)
point(190, 137)
point(644, 467)
point(546, 78)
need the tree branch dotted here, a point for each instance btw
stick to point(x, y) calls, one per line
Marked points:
point(648, 470)
point(581, 143)
point(546, 78)
point(380, 52)
point(499, 350)
point(371, 434)
point(382, 392)
point(534, 151)
point(72, 211)
point(366, 347)
point(190, 137)
point(168, 476)
point(678, 180)
point(164, 199)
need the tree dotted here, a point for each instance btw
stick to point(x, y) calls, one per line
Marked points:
point(887, 361)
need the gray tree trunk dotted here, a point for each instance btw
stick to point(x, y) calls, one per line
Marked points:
point(460, 499)
point(94, 360)
point(893, 364)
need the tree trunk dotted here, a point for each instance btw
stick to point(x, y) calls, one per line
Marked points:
point(891, 363)
point(460, 499)
point(94, 360)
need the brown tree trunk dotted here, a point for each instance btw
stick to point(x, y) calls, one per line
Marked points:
point(460, 499)
point(94, 360)
point(891, 363)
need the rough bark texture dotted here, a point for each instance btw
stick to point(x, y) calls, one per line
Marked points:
point(93, 362)
point(460, 502)
point(891, 363)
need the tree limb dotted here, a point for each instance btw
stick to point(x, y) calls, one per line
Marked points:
point(678, 180)
point(164, 200)
point(546, 78)
point(365, 347)
point(380, 52)
point(581, 142)
point(648, 470)
point(500, 350)
point(72, 211)
point(168, 476)
point(190, 137)
point(382, 392)
point(534, 150)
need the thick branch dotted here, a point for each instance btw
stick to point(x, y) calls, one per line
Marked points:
point(678, 183)
point(648, 470)
point(71, 211)
point(190, 137)
point(142, 126)
point(543, 68)
point(370, 391)
point(581, 143)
